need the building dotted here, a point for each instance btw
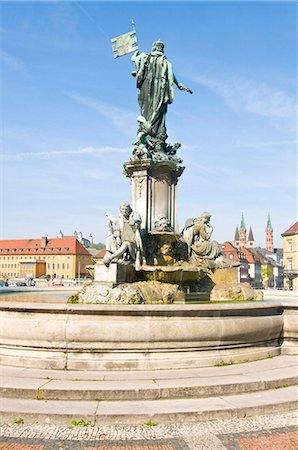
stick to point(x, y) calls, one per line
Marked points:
point(240, 240)
point(62, 257)
point(99, 254)
point(234, 254)
point(290, 257)
point(254, 267)
point(269, 236)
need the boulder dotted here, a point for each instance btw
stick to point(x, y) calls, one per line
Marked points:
point(142, 292)
point(234, 292)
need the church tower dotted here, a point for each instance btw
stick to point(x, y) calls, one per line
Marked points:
point(242, 233)
point(251, 240)
point(236, 238)
point(269, 235)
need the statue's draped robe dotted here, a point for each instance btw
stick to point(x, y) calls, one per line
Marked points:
point(155, 80)
point(197, 239)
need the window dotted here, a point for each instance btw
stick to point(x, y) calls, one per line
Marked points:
point(290, 246)
point(58, 266)
point(49, 265)
point(63, 266)
point(53, 265)
point(290, 264)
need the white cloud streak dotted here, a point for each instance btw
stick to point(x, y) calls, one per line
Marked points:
point(123, 119)
point(250, 96)
point(11, 61)
point(264, 144)
point(62, 153)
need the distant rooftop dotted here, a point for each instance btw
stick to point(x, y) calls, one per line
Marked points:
point(292, 230)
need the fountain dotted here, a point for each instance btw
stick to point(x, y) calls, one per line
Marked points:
point(133, 316)
point(133, 324)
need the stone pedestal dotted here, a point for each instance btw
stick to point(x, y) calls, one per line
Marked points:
point(154, 190)
point(114, 274)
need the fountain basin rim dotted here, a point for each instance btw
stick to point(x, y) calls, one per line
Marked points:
point(250, 308)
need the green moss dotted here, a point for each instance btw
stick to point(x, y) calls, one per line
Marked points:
point(73, 299)
point(223, 363)
point(19, 421)
point(80, 423)
point(149, 423)
point(39, 395)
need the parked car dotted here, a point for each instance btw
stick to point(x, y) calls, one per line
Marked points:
point(21, 283)
point(3, 283)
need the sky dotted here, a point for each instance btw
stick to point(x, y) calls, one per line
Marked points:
point(68, 112)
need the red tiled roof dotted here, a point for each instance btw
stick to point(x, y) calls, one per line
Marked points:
point(228, 249)
point(292, 230)
point(248, 255)
point(101, 253)
point(54, 246)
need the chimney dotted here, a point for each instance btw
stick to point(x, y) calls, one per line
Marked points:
point(43, 242)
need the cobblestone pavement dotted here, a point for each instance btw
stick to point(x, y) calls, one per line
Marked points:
point(270, 432)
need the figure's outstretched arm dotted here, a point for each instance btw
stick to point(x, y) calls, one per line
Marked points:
point(181, 87)
point(134, 56)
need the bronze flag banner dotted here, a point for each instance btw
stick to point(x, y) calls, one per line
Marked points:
point(125, 43)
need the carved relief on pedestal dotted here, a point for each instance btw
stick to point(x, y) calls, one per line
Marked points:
point(139, 185)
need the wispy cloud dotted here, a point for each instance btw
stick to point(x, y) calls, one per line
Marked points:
point(270, 144)
point(123, 119)
point(11, 61)
point(251, 96)
point(63, 153)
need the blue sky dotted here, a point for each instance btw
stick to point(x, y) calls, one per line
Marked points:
point(69, 112)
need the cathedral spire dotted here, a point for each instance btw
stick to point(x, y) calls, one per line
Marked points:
point(269, 226)
point(236, 238)
point(250, 235)
point(269, 235)
point(242, 225)
point(242, 233)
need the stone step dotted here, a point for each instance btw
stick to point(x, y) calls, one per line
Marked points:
point(157, 411)
point(55, 385)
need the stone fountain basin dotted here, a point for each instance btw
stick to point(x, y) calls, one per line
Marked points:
point(144, 337)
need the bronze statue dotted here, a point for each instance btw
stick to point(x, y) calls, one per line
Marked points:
point(155, 80)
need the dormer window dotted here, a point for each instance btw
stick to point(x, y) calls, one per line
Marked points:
point(58, 249)
point(50, 249)
point(35, 250)
point(21, 249)
point(27, 250)
point(66, 249)
point(42, 249)
point(13, 250)
point(6, 250)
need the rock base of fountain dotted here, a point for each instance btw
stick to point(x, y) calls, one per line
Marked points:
point(141, 292)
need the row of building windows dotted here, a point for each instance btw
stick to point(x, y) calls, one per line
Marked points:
point(13, 250)
point(14, 266)
point(5, 258)
point(58, 266)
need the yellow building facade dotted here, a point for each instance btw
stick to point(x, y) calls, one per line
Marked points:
point(62, 258)
point(290, 257)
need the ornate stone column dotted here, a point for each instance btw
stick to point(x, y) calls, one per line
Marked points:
point(154, 189)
